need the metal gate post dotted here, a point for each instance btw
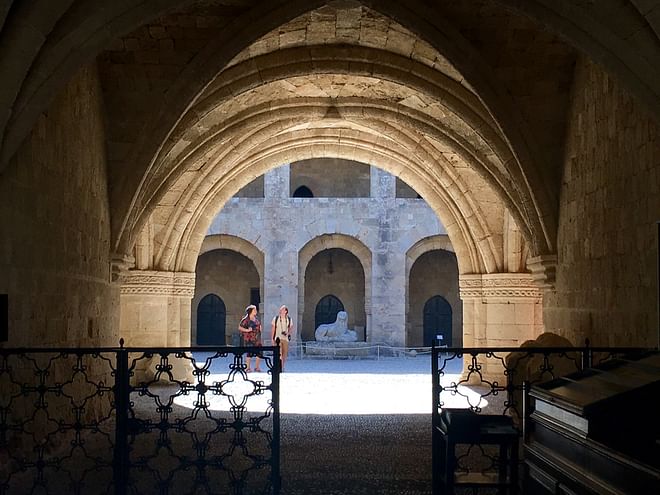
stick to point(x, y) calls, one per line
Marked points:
point(122, 397)
point(277, 368)
point(435, 421)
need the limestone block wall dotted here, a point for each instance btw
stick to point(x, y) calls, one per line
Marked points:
point(378, 230)
point(155, 308)
point(610, 201)
point(55, 227)
point(213, 270)
point(331, 178)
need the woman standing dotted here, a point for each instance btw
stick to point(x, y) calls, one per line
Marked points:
point(250, 328)
point(281, 331)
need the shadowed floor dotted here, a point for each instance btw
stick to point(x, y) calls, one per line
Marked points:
point(337, 454)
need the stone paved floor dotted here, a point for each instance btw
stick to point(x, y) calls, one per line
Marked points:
point(337, 454)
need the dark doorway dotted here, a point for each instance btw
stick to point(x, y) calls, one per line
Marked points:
point(437, 321)
point(211, 320)
point(303, 192)
point(327, 309)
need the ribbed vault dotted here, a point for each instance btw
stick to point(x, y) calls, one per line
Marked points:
point(408, 86)
point(411, 120)
point(436, 111)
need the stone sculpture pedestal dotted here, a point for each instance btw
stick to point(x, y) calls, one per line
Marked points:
point(338, 349)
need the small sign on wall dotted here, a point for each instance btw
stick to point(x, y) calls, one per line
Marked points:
point(4, 317)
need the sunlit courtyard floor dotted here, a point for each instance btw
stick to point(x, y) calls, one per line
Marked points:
point(348, 386)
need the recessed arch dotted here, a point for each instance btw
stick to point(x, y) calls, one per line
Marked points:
point(335, 241)
point(303, 192)
point(435, 253)
point(233, 243)
point(425, 245)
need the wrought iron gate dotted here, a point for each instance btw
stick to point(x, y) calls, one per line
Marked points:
point(130, 420)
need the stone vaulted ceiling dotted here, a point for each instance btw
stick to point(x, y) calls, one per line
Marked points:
point(464, 100)
point(346, 81)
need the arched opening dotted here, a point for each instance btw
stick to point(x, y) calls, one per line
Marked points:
point(234, 278)
point(437, 321)
point(327, 309)
point(432, 271)
point(211, 320)
point(303, 192)
point(334, 281)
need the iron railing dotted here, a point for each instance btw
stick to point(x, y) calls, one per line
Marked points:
point(133, 420)
point(496, 381)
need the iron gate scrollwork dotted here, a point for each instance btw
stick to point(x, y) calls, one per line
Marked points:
point(496, 382)
point(129, 420)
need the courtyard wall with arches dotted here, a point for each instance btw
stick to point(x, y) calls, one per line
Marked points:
point(360, 240)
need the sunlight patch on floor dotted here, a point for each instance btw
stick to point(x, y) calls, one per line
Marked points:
point(337, 393)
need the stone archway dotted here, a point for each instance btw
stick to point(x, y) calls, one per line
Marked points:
point(69, 35)
point(434, 258)
point(233, 243)
point(335, 241)
point(40, 52)
point(231, 268)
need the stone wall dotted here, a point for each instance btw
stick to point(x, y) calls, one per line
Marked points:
point(331, 178)
point(377, 230)
point(55, 227)
point(254, 189)
point(214, 270)
point(610, 203)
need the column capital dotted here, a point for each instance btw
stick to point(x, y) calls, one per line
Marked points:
point(498, 286)
point(120, 264)
point(157, 283)
point(543, 269)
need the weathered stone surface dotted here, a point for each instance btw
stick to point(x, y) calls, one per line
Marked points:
point(610, 203)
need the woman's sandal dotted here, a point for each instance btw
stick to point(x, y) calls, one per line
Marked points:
point(248, 370)
point(257, 370)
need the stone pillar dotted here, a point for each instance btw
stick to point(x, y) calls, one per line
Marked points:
point(155, 309)
point(280, 284)
point(383, 184)
point(277, 183)
point(388, 279)
point(388, 299)
point(500, 310)
point(280, 280)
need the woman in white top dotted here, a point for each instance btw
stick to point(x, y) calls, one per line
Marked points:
point(281, 331)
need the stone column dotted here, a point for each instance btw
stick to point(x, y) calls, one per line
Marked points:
point(155, 309)
point(277, 183)
point(388, 299)
point(500, 310)
point(383, 184)
point(280, 284)
point(281, 260)
point(388, 278)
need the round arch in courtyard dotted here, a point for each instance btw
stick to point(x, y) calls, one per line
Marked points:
point(328, 242)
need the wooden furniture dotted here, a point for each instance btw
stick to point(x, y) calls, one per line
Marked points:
point(597, 431)
point(462, 426)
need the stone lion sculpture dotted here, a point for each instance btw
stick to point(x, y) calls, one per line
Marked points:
point(337, 331)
